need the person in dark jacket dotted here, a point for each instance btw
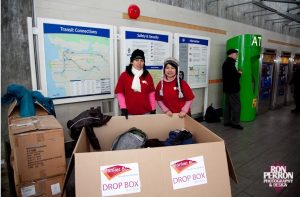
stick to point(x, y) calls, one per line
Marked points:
point(296, 82)
point(231, 89)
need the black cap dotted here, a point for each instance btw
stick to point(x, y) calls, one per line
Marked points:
point(230, 51)
point(137, 54)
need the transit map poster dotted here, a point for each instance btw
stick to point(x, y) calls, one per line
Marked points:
point(76, 60)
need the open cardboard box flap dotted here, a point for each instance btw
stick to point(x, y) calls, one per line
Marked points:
point(153, 162)
point(13, 110)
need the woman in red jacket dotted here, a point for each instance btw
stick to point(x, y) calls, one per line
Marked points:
point(173, 95)
point(135, 88)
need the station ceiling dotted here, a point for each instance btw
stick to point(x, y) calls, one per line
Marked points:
point(282, 16)
point(278, 15)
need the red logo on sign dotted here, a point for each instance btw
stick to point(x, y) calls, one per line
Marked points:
point(113, 171)
point(182, 165)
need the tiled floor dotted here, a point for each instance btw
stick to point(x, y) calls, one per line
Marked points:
point(273, 137)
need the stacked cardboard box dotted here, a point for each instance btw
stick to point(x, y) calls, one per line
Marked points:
point(38, 156)
point(200, 169)
point(43, 187)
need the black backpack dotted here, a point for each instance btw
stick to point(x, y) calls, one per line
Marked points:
point(211, 115)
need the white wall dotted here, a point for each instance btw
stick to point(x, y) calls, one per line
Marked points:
point(110, 12)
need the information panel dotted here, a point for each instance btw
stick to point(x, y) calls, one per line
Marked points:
point(76, 60)
point(157, 46)
point(193, 54)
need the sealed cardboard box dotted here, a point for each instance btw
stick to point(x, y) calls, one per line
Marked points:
point(37, 148)
point(44, 187)
point(200, 169)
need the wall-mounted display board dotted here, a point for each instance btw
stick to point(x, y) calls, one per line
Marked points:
point(76, 60)
point(193, 53)
point(157, 46)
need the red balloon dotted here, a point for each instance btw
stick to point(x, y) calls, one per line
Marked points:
point(133, 11)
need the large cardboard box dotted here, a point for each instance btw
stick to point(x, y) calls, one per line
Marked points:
point(51, 187)
point(200, 169)
point(37, 148)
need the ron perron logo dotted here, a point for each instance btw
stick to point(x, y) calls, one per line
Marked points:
point(278, 177)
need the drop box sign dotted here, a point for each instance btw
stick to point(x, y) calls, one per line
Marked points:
point(120, 179)
point(188, 172)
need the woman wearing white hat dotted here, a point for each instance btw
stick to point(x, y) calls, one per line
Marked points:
point(173, 95)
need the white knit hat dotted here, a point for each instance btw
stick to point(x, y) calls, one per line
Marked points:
point(174, 62)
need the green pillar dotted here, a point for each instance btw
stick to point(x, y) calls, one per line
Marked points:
point(249, 47)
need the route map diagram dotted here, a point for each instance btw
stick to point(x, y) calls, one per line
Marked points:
point(77, 61)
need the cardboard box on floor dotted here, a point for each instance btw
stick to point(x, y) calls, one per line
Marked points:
point(37, 148)
point(44, 187)
point(185, 170)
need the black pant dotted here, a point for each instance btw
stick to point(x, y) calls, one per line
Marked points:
point(232, 108)
point(297, 99)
